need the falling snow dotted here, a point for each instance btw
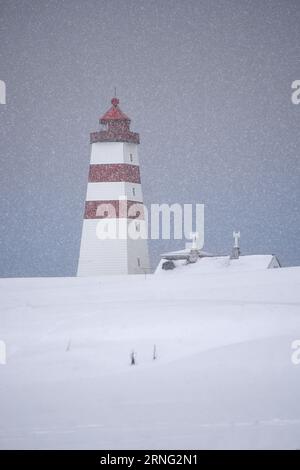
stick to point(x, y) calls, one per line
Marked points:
point(208, 87)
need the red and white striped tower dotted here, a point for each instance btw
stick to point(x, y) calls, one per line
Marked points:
point(114, 228)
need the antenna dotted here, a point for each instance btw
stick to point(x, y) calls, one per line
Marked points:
point(154, 356)
point(194, 236)
point(236, 247)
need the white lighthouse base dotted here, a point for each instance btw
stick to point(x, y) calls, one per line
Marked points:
point(103, 253)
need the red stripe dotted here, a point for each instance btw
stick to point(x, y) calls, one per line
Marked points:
point(114, 172)
point(114, 209)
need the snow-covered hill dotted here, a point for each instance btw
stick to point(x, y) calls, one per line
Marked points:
point(223, 377)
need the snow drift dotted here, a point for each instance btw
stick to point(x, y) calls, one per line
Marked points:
point(223, 377)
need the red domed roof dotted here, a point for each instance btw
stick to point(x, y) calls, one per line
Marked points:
point(114, 113)
point(116, 127)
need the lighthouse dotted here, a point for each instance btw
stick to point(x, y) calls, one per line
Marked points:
point(114, 232)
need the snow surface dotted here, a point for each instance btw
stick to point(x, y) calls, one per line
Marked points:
point(223, 377)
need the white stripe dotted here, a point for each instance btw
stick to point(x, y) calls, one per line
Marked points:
point(114, 152)
point(110, 191)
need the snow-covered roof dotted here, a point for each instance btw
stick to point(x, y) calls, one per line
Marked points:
point(183, 253)
point(221, 264)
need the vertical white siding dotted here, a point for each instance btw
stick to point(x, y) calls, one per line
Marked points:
point(131, 154)
point(114, 152)
point(138, 250)
point(107, 152)
point(113, 190)
point(100, 256)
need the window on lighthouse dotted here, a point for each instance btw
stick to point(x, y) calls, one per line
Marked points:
point(131, 157)
point(137, 227)
point(139, 262)
point(133, 191)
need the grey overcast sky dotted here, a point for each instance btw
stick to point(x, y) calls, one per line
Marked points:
point(207, 84)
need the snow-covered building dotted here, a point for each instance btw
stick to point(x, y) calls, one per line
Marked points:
point(113, 234)
point(199, 261)
point(214, 264)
